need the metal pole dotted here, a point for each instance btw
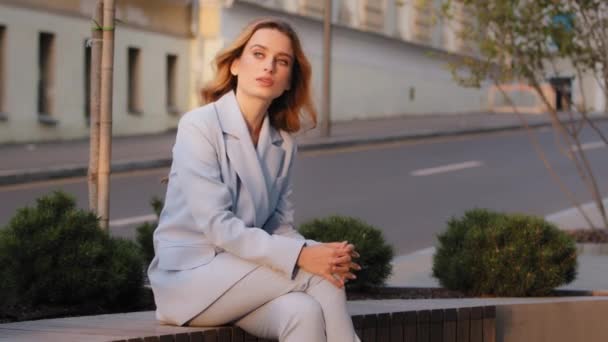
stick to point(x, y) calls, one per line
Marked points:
point(326, 108)
point(95, 87)
point(105, 145)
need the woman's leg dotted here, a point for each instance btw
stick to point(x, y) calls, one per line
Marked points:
point(292, 317)
point(263, 287)
point(257, 288)
point(338, 323)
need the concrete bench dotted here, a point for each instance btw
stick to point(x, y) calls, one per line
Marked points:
point(464, 324)
point(475, 324)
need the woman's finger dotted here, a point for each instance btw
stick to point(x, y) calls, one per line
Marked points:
point(339, 283)
point(340, 269)
point(347, 249)
point(348, 267)
point(355, 266)
point(344, 259)
point(346, 277)
point(337, 245)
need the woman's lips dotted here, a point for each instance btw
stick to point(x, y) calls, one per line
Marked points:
point(265, 81)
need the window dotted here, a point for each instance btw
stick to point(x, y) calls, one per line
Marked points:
point(372, 15)
point(134, 75)
point(313, 8)
point(46, 62)
point(2, 76)
point(171, 83)
point(423, 23)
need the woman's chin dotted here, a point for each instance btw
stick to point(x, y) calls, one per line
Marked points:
point(265, 93)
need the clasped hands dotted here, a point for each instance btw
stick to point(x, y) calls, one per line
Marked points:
point(332, 261)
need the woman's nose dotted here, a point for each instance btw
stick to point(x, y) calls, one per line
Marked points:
point(269, 66)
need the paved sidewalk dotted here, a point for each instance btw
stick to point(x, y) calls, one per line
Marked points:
point(40, 161)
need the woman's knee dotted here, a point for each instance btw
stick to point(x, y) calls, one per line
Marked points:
point(323, 288)
point(304, 306)
point(303, 310)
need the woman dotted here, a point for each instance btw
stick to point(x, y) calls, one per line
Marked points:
point(226, 249)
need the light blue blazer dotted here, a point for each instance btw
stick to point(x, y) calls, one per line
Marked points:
point(227, 210)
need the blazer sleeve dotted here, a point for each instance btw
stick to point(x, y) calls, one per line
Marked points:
point(209, 200)
point(281, 222)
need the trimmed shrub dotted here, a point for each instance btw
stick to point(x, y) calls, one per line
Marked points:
point(145, 232)
point(489, 253)
point(144, 237)
point(376, 254)
point(56, 255)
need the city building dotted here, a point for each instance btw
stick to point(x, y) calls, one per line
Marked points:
point(389, 58)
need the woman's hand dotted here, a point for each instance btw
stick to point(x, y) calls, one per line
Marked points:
point(344, 265)
point(332, 261)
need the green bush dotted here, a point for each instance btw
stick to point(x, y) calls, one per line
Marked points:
point(145, 232)
point(489, 253)
point(376, 254)
point(55, 254)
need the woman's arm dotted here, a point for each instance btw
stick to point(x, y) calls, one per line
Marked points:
point(209, 200)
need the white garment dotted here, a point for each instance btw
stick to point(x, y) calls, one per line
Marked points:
point(227, 210)
point(269, 305)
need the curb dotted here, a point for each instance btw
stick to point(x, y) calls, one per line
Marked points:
point(37, 175)
point(13, 177)
point(350, 142)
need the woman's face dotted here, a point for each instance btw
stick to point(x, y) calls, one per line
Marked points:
point(264, 68)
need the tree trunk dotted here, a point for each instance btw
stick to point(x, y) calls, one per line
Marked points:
point(105, 144)
point(95, 80)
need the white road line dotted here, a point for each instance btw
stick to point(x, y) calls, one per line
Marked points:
point(447, 168)
point(589, 146)
point(132, 220)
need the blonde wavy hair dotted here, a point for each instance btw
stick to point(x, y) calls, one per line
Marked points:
point(284, 111)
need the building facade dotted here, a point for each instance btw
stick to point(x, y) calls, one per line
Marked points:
point(45, 63)
point(389, 58)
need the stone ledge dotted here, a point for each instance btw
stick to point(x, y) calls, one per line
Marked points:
point(142, 326)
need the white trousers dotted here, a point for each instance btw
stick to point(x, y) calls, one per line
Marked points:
point(266, 304)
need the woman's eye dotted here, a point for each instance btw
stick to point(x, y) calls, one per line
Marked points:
point(258, 54)
point(283, 62)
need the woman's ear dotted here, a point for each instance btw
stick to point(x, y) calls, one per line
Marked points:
point(234, 67)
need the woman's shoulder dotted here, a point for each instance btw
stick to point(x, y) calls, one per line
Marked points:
point(201, 117)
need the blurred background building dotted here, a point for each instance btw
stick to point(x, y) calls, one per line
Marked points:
point(389, 58)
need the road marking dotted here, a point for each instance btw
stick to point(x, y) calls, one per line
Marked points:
point(447, 168)
point(589, 146)
point(118, 223)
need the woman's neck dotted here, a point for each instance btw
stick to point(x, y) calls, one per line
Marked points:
point(253, 110)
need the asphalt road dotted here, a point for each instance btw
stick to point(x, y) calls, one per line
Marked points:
point(409, 190)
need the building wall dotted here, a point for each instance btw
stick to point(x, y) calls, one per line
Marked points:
point(594, 98)
point(165, 16)
point(373, 74)
point(23, 25)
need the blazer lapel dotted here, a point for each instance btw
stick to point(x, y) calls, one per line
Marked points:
point(242, 154)
point(270, 152)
